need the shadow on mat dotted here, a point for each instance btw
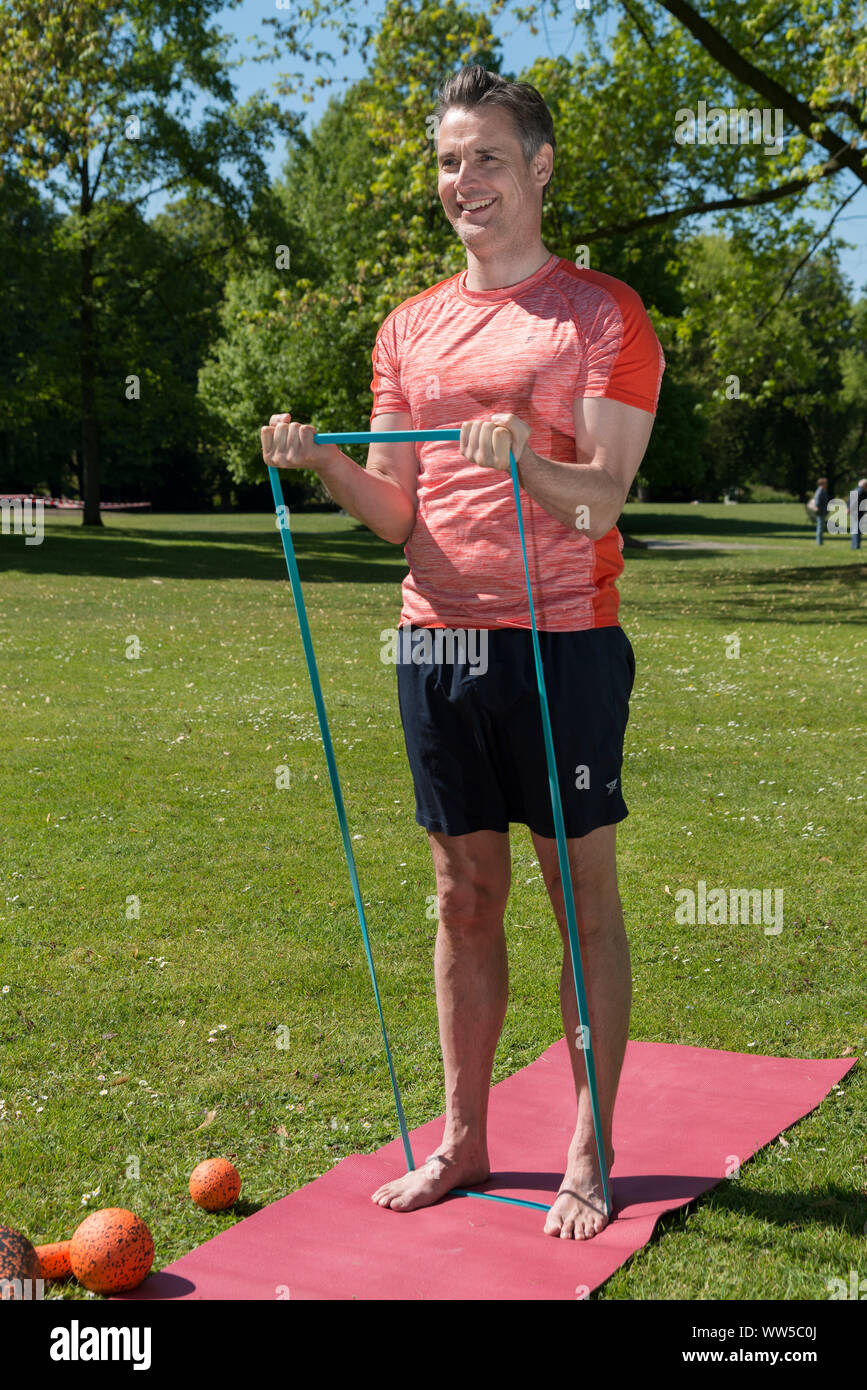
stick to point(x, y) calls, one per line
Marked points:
point(160, 1285)
point(626, 1191)
point(835, 1206)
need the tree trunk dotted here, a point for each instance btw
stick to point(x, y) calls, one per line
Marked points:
point(87, 366)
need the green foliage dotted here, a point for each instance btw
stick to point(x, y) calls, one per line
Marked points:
point(766, 369)
point(37, 344)
point(95, 102)
point(365, 230)
point(243, 299)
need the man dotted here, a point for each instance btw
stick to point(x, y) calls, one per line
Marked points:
point(525, 350)
point(860, 510)
point(818, 507)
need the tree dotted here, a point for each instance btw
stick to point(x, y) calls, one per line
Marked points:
point(362, 224)
point(361, 209)
point(805, 58)
point(86, 94)
point(768, 371)
point(37, 343)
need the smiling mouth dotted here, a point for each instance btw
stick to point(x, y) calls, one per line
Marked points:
point(477, 205)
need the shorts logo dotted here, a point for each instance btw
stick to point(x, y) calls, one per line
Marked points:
point(611, 785)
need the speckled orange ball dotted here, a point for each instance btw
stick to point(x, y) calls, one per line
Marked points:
point(111, 1251)
point(18, 1259)
point(215, 1184)
point(54, 1259)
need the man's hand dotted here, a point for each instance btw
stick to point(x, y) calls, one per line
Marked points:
point(487, 442)
point(286, 444)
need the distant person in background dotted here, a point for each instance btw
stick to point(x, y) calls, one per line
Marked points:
point(860, 511)
point(818, 508)
point(820, 497)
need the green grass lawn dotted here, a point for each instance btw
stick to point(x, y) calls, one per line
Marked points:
point(181, 961)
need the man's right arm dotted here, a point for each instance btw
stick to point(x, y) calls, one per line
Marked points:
point(383, 495)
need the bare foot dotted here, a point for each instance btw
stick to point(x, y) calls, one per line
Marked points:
point(423, 1186)
point(579, 1210)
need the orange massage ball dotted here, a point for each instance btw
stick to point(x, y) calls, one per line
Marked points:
point(18, 1258)
point(54, 1259)
point(215, 1184)
point(111, 1251)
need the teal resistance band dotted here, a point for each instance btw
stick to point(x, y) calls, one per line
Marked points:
point(393, 437)
point(295, 581)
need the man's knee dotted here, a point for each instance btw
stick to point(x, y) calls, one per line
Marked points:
point(471, 904)
point(594, 882)
point(473, 879)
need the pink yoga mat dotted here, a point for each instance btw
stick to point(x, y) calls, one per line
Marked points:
point(684, 1117)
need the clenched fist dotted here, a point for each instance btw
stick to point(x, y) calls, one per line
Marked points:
point(487, 442)
point(286, 444)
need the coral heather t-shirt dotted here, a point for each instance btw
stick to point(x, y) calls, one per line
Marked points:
point(452, 354)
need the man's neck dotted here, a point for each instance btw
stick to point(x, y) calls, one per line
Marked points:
point(499, 274)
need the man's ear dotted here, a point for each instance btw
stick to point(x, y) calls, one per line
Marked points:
point(544, 163)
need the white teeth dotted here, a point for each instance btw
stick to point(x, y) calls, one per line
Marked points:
point(471, 207)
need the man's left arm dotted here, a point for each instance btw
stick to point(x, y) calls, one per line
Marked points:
point(610, 442)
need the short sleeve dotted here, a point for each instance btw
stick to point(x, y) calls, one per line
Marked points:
point(387, 394)
point(623, 357)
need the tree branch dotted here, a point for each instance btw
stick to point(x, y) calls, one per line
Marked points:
point(639, 26)
point(797, 111)
point(842, 104)
point(101, 167)
point(746, 200)
point(803, 261)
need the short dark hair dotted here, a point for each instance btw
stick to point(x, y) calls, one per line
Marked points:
point(476, 86)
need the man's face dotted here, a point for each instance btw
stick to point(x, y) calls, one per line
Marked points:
point(481, 159)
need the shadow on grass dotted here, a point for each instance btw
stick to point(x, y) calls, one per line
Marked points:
point(690, 522)
point(246, 1208)
point(352, 554)
point(819, 595)
point(338, 556)
point(823, 594)
point(844, 1209)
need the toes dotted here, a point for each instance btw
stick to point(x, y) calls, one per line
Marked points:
point(391, 1196)
point(578, 1223)
point(593, 1224)
point(553, 1224)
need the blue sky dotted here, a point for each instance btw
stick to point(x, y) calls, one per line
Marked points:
point(520, 49)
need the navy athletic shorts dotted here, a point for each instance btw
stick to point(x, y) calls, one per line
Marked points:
point(472, 723)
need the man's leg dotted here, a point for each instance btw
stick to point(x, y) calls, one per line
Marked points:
point(471, 969)
point(578, 1212)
